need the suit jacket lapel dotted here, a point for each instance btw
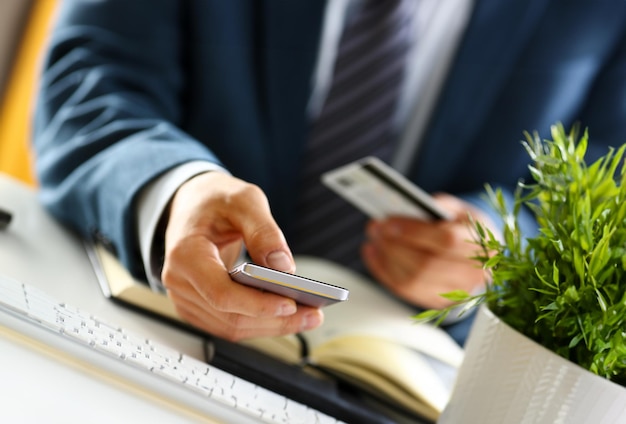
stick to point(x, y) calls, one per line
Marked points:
point(496, 34)
point(291, 43)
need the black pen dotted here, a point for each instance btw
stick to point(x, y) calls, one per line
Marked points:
point(5, 219)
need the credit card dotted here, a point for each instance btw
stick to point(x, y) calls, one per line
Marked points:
point(380, 191)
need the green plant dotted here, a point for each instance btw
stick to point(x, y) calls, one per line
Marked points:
point(566, 286)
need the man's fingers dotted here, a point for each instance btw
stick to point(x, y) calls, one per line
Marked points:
point(209, 284)
point(264, 240)
point(420, 277)
point(209, 217)
point(242, 208)
point(233, 326)
point(448, 238)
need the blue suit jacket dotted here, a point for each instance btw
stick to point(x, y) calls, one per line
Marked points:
point(134, 88)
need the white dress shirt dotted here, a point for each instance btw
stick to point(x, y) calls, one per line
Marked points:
point(439, 25)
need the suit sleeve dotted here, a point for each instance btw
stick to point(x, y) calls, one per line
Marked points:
point(108, 113)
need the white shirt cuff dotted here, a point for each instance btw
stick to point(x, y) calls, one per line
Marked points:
point(151, 204)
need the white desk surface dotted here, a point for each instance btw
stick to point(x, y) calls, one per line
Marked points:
point(35, 388)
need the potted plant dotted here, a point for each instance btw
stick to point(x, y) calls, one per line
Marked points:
point(549, 340)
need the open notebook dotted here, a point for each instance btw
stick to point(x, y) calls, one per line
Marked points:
point(370, 341)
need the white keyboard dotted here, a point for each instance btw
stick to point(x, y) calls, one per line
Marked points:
point(160, 370)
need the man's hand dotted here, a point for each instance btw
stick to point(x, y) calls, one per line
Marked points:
point(420, 260)
point(210, 217)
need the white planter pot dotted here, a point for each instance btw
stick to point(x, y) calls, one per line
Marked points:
point(508, 378)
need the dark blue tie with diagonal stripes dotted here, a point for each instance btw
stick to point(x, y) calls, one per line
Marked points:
point(355, 121)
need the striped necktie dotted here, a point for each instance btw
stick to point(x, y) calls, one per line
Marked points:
point(355, 121)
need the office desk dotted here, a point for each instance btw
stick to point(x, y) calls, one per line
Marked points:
point(36, 388)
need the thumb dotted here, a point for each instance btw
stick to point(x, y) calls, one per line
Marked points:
point(264, 239)
point(270, 249)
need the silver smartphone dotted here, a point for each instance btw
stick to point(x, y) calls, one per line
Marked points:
point(303, 290)
point(380, 191)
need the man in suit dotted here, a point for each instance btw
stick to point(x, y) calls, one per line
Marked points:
point(175, 131)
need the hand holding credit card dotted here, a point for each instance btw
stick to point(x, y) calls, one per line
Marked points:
point(380, 191)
